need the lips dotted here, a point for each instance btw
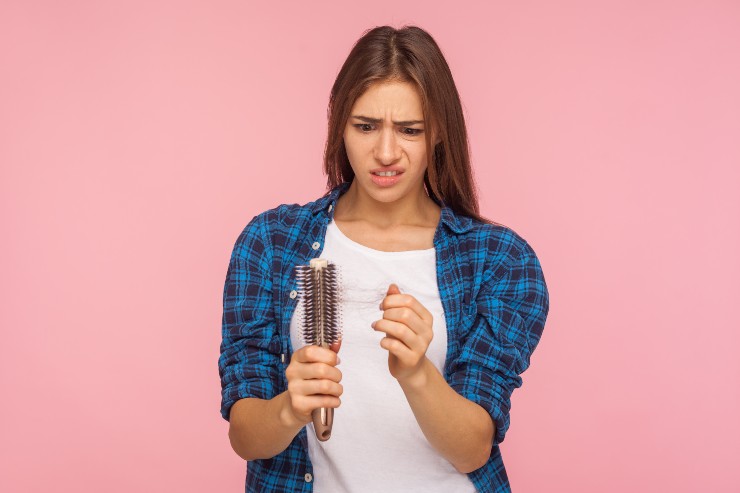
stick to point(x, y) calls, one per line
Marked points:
point(385, 181)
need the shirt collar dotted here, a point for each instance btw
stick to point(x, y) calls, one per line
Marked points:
point(455, 222)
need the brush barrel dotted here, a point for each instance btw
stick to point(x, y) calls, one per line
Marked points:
point(321, 325)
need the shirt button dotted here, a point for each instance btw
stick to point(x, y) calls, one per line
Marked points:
point(330, 207)
point(293, 294)
point(308, 477)
point(315, 245)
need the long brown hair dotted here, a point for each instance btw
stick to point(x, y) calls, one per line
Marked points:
point(408, 54)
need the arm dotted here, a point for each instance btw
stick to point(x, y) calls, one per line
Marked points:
point(464, 419)
point(248, 365)
point(506, 321)
point(263, 423)
point(262, 428)
point(460, 430)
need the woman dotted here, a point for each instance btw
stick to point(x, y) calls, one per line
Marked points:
point(442, 308)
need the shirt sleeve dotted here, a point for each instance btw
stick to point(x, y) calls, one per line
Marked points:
point(506, 321)
point(249, 362)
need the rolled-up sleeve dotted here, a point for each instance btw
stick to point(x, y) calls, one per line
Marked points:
point(246, 365)
point(506, 321)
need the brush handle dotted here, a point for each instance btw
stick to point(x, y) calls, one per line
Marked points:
point(323, 418)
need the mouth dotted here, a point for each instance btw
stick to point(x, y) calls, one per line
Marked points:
point(386, 178)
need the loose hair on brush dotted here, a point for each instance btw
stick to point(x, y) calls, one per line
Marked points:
point(411, 55)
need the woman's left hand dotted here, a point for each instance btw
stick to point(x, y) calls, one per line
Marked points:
point(407, 325)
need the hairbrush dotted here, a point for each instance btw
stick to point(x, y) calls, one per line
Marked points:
point(318, 287)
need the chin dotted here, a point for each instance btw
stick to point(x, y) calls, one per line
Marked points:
point(387, 195)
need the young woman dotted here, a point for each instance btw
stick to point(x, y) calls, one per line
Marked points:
point(442, 308)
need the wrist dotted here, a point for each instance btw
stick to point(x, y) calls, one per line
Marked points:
point(419, 378)
point(285, 413)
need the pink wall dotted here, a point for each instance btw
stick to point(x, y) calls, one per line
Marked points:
point(138, 138)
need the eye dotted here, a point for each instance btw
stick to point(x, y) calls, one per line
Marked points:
point(411, 131)
point(363, 127)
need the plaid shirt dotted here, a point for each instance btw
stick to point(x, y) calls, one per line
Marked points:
point(492, 290)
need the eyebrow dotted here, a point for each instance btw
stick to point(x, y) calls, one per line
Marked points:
point(379, 120)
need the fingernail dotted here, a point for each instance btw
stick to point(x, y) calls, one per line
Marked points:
point(372, 325)
point(338, 360)
point(380, 306)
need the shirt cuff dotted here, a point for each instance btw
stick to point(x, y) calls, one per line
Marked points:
point(488, 390)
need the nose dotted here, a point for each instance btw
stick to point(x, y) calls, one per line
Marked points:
point(387, 150)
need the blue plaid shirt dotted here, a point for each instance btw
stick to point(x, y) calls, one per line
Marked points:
point(493, 293)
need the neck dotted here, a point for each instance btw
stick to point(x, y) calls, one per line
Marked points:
point(411, 209)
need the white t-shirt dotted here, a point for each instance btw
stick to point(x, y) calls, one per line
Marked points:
point(376, 444)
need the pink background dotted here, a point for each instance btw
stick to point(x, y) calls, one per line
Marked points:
point(138, 138)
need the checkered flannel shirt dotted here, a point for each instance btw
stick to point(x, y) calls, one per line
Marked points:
point(493, 293)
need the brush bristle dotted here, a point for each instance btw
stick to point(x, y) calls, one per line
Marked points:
point(319, 289)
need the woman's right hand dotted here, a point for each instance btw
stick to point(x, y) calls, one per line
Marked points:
point(313, 381)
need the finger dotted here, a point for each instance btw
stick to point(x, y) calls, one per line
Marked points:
point(402, 333)
point(297, 372)
point(406, 356)
point(315, 354)
point(392, 289)
point(409, 301)
point(335, 347)
point(304, 405)
point(308, 403)
point(318, 387)
point(309, 371)
point(407, 317)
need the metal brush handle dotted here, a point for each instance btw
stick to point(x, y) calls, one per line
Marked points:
point(323, 419)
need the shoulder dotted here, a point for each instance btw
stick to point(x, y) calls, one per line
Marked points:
point(511, 270)
point(499, 239)
point(283, 215)
point(485, 251)
point(494, 241)
point(281, 219)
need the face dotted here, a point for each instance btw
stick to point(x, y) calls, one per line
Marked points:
point(385, 133)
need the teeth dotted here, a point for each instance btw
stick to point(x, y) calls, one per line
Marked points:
point(387, 173)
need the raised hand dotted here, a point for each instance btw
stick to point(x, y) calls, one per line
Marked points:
point(407, 325)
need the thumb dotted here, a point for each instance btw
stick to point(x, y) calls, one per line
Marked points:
point(335, 346)
point(392, 289)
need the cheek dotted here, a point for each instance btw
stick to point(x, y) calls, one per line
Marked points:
point(354, 150)
point(357, 145)
point(417, 153)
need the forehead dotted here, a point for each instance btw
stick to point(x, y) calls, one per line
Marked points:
point(394, 99)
